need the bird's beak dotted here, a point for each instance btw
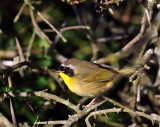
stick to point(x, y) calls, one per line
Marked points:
point(57, 71)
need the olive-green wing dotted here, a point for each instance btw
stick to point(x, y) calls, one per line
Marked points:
point(100, 75)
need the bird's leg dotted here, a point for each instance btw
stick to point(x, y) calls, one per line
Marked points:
point(91, 103)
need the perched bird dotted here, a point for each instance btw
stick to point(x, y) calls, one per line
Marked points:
point(88, 79)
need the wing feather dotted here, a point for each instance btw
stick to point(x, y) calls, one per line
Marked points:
point(100, 75)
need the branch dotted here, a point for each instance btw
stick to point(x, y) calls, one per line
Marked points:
point(21, 64)
point(53, 28)
point(123, 52)
point(66, 123)
point(30, 45)
point(68, 28)
point(39, 32)
point(19, 13)
point(140, 40)
point(52, 122)
point(106, 39)
point(87, 33)
point(157, 52)
point(152, 118)
point(40, 94)
point(4, 122)
point(44, 19)
point(73, 118)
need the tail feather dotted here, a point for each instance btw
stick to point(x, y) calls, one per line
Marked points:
point(127, 71)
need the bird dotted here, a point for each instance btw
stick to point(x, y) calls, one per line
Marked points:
point(88, 79)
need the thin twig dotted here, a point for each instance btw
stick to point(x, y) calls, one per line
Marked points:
point(135, 91)
point(19, 13)
point(87, 33)
point(114, 102)
point(11, 105)
point(44, 19)
point(53, 45)
point(19, 50)
point(13, 114)
point(21, 64)
point(67, 28)
point(106, 3)
point(52, 122)
point(34, 125)
point(60, 58)
point(21, 56)
point(117, 104)
point(39, 32)
point(1, 31)
point(106, 39)
point(157, 52)
point(30, 45)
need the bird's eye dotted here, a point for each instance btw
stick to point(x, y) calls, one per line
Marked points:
point(68, 71)
point(62, 68)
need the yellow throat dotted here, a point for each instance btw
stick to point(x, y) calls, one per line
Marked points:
point(66, 78)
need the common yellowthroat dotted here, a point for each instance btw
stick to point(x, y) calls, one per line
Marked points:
point(88, 79)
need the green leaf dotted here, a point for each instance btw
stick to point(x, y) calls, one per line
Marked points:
point(41, 82)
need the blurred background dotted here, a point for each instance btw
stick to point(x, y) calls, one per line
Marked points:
point(92, 29)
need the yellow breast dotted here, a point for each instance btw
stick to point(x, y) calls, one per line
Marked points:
point(85, 89)
point(65, 78)
point(67, 81)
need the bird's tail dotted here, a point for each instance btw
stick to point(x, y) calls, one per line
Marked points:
point(130, 70)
